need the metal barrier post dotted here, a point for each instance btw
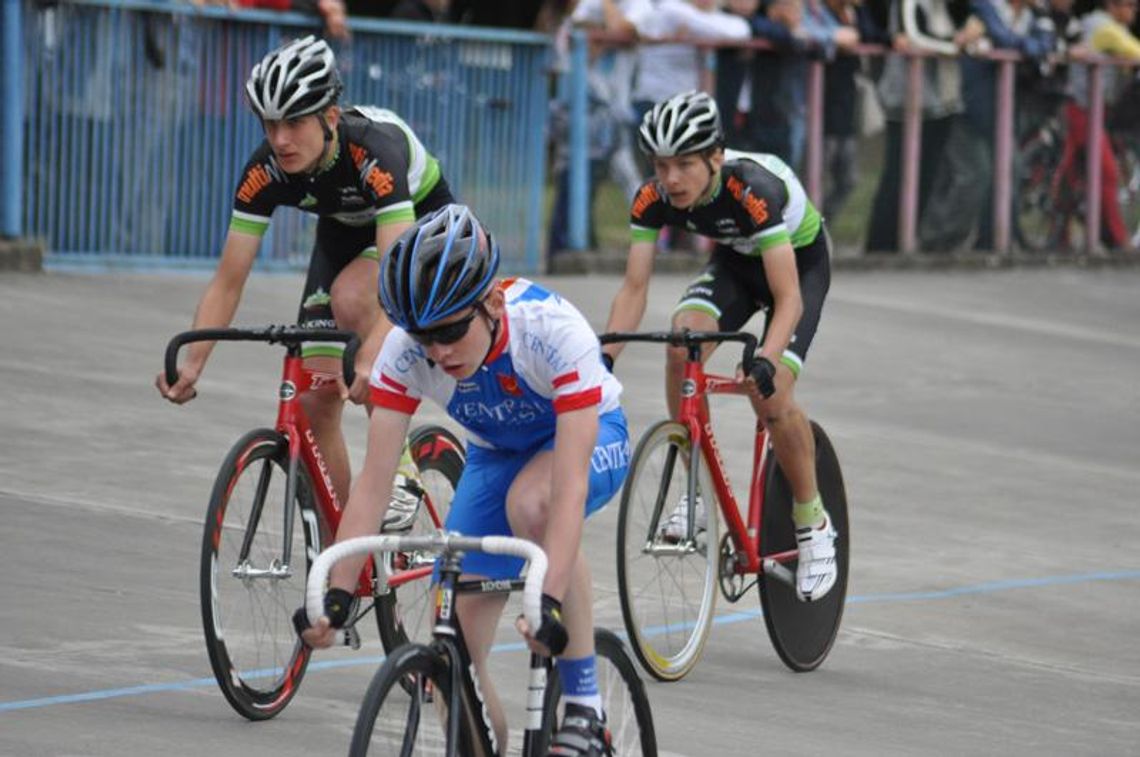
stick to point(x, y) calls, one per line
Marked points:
point(12, 120)
point(578, 209)
point(1092, 171)
point(1003, 150)
point(912, 141)
point(815, 132)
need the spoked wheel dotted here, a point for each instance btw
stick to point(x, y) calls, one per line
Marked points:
point(405, 709)
point(628, 715)
point(1035, 217)
point(803, 632)
point(252, 576)
point(667, 583)
point(405, 612)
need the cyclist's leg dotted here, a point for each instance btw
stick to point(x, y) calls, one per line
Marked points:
point(323, 404)
point(529, 502)
point(716, 299)
point(790, 432)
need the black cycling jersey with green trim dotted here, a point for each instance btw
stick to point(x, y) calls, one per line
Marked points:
point(381, 170)
point(757, 204)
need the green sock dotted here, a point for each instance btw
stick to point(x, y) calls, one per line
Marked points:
point(407, 466)
point(808, 513)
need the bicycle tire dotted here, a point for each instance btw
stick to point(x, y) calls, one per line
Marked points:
point(406, 613)
point(1034, 221)
point(803, 632)
point(667, 600)
point(247, 619)
point(629, 716)
point(390, 721)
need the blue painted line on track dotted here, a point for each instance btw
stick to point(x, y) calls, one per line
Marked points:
point(989, 587)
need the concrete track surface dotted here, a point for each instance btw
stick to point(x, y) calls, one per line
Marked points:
point(987, 423)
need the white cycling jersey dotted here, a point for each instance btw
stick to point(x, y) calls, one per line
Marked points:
point(546, 360)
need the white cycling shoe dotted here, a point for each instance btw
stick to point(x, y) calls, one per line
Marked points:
point(676, 527)
point(817, 570)
point(406, 497)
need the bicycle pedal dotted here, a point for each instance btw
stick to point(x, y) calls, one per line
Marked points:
point(352, 637)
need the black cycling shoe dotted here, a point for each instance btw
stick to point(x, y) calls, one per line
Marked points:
point(583, 734)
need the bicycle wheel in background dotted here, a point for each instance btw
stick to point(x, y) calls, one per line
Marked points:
point(1034, 217)
point(803, 632)
point(248, 591)
point(667, 587)
point(629, 717)
point(406, 613)
point(405, 709)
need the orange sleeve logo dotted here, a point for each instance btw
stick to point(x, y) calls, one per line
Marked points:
point(756, 207)
point(646, 197)
point(256, 180)
point(380, 181)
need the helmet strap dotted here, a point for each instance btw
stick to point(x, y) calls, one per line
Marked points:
point(494, 324)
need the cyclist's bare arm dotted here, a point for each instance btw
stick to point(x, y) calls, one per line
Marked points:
point(629, 303)
point(215, 310)
point(575, 435)
point(370, 343)
point(788, 306)
point(372, 489)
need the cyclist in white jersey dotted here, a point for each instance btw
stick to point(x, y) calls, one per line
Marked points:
point(521, 370)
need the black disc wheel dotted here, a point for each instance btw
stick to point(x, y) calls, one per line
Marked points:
point(803, 632)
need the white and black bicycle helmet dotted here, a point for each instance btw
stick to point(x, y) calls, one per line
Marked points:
point(445, 262)
point(685, 123)
point(296, 79)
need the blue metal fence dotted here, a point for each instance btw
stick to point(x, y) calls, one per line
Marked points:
point(135, 127)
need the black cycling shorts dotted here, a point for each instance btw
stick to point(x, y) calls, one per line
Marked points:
point(338, 244)
point(732, 288)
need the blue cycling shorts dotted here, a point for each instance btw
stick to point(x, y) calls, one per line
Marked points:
point(479, 507)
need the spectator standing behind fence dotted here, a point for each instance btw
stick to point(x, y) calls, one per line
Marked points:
point(831, 28)
point(775, 99)
point(920, 25)
point(332, 12)
point(964, 197)
point(420, 10)
point(1105, 32)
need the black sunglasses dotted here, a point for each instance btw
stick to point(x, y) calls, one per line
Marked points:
point(448, 333)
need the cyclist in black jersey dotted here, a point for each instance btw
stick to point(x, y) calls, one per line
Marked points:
point(772, 253)
point(367, 176)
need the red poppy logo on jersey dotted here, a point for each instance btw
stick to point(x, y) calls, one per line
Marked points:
point(509, 384)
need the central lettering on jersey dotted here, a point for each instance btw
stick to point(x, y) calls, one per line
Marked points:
point(256, 180)
point(646, 197)
point(757, 207)
point(549, 353)
point(506, 413)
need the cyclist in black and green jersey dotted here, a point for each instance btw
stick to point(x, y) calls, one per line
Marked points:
point(367, 176)
point(772, 253)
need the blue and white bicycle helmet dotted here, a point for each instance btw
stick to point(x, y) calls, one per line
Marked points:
point(685, 123)
point(296, 79)
point(445, 262)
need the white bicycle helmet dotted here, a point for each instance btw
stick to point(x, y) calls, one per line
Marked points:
point(296, 79)
point(685, 123)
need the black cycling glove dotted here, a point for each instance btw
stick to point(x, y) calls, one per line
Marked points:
point(764, 374)
point(338, 609)
point(608, 361)
point(551, 632)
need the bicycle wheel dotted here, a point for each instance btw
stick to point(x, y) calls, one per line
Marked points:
point(406, 613)
point(803, 632)
point(628, 715)
point(248, 589)
point(667, 588)
point(405, 709)
point(1034, 218)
